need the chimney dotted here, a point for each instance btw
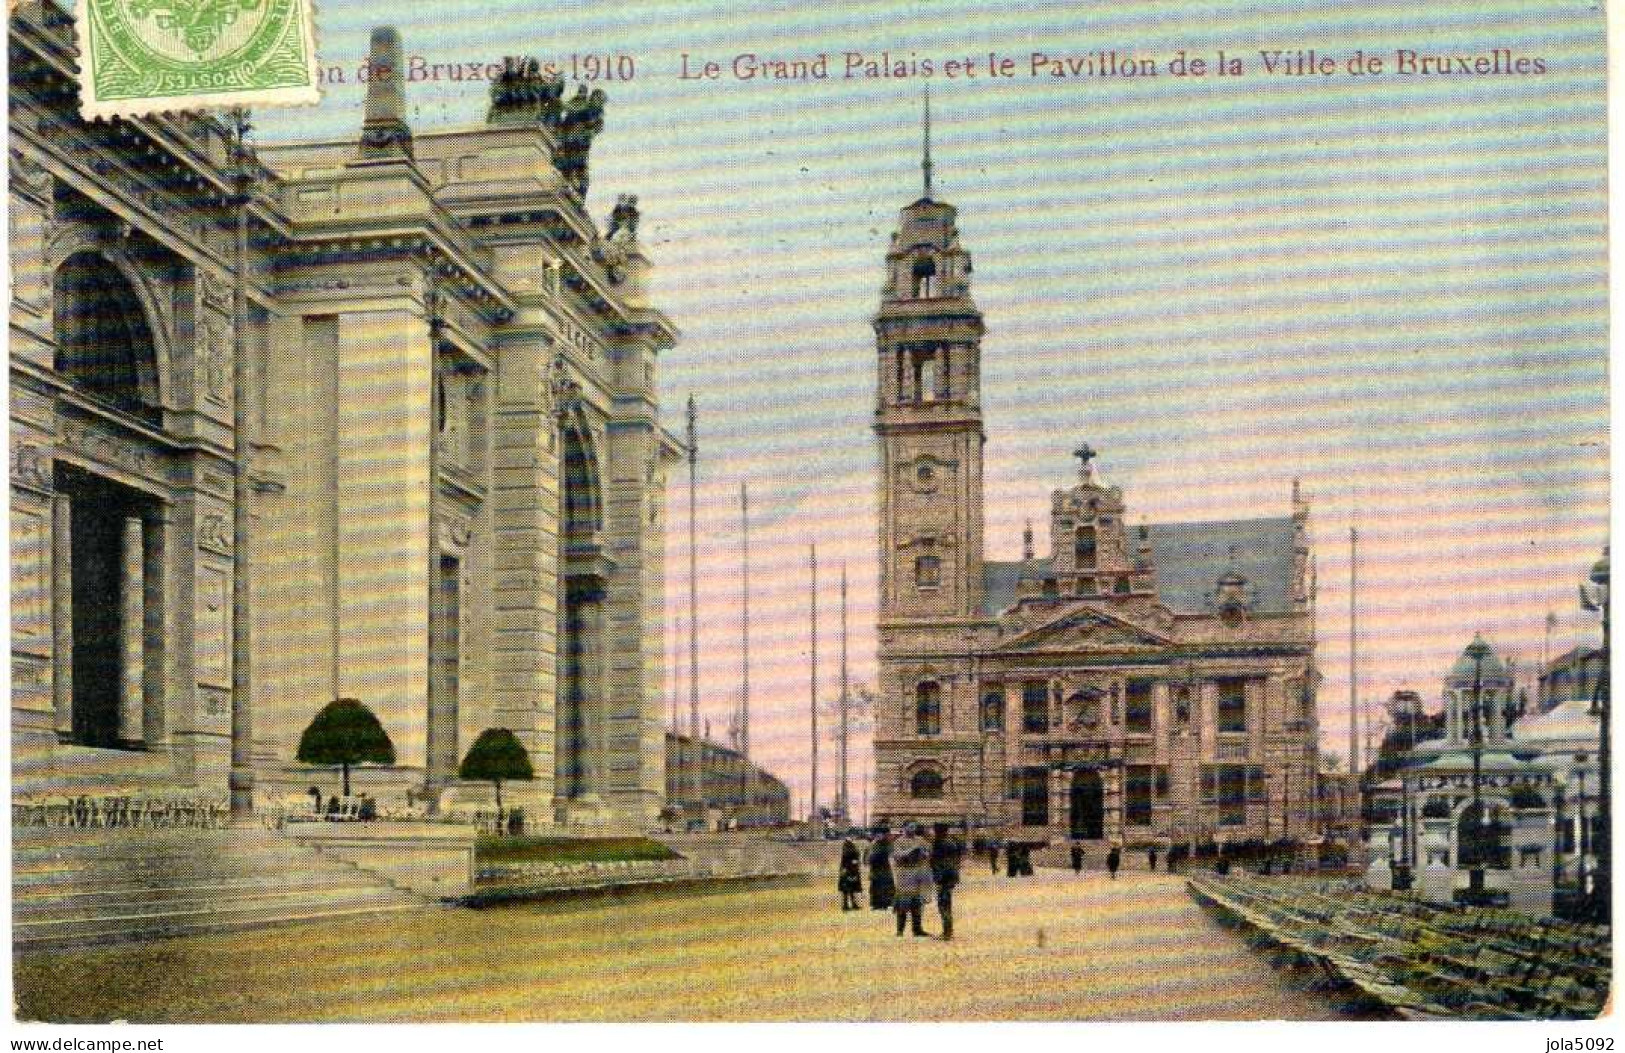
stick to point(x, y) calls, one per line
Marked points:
point(384, 132)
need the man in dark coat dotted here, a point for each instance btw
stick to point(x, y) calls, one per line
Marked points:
point(1151, 857)
point(1077, 858)
point(1114, 859)
point(993, 856)
point(946, 853)
point(882, 887)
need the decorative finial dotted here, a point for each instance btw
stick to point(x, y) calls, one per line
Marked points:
point(1085, 455)
point(925, 164)
point(384, 131)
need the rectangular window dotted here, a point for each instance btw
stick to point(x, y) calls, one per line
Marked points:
point(1138, 706)
point(928, 708)
point(1210, 785)
point(1232, 794)
point(1035, 797)
point(1232, 705)
point(927, 572)
point(1035, 707)
point(1137, 795)
point(993, 711)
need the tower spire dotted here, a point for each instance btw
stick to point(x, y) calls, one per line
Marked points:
point(925, 163)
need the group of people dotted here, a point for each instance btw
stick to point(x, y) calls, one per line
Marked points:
point(903, 873)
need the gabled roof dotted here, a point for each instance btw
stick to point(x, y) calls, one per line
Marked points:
point(1190, 558)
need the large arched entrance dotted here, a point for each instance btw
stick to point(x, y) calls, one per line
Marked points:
point(1088, 808)
point(109, 569)
point(103, 342)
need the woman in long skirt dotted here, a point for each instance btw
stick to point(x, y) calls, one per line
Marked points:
point(850, 882)
point(882, 889)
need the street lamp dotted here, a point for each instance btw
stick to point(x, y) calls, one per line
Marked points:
point(1596, 599)
point(1478, 650)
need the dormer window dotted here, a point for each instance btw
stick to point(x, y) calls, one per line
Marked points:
point(925, 279)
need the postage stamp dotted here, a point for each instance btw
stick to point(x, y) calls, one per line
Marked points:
point(145, 56)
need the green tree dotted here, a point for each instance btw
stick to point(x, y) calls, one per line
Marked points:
point(496, 755)
point(344, 733)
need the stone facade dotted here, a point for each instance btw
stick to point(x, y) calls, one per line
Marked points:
point(441, 378)
point(1138, 684)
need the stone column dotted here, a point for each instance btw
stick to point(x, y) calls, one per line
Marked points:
point(132, 634)
point(62, 612)
point(595, 699)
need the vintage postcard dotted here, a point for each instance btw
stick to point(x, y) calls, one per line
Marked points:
point(758, 512)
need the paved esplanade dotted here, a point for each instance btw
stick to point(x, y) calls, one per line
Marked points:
point(1053, 947)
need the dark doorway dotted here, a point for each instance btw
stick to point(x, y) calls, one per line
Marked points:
point(1088, 806)
point(97, 542)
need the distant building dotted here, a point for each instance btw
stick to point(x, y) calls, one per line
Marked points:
point(1475, 808)
point(735, 791)
point(1571, 676)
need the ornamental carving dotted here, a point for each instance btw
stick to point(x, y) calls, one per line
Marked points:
point(217, 291)
point(215, 532)
point(212, 356)
point(32, 178)
point(31, 465)
point(94, 443)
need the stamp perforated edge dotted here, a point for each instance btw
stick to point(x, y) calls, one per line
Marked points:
point(92, 108)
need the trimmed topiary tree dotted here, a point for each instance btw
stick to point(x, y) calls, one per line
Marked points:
point(496, 755)
point(344, 733)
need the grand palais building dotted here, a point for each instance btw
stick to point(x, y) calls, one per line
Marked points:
point(1135, 684)
point(371, 418)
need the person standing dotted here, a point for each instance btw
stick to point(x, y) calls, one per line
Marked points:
point(882, 889)
point(1114, 859)
point(946, 854)
point(911, 859)
point(1077, 858)
point(850, 881)
point(1151, 857)
point(993, 856)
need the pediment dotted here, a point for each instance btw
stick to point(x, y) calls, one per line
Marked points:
point(1087, 629)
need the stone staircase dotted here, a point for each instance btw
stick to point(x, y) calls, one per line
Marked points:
point(76, 887)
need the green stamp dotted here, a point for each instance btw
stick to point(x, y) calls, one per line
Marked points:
point(142, 56)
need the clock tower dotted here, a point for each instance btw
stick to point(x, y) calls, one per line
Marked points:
point(928, 417)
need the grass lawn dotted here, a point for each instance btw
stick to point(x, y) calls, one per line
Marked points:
point(493, 849)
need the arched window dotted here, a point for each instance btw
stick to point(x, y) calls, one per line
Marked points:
point(928, 708)
point(925, 784)
point(581, 501)
point(925, 279)
point(927, 572)
point(103, 342)
point(1083, 548)
point(925, 378)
